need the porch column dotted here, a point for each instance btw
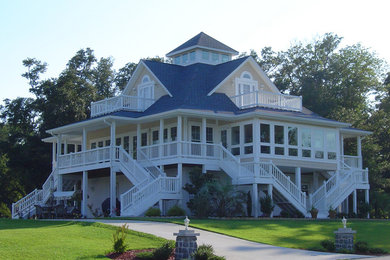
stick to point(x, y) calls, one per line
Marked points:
point(298, 177)
point(161, 138)
point(112, 192)
point(179, 136)
point(355, 201)
point(359, 152)
point(65, 145)
point(367, 199)
point(84, 141)
point(185, 129)
point(138, 139)
point(256, 145)
point(180, 176)
point(342, 147)
point(315, 180)
point(85, 194)
point(269, 191)
point(59, 148)
point(53, 155)
point(203, 142)
point(255, 201)
point(59, 182)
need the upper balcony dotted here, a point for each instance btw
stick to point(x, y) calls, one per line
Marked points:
point(268, 99)
point(121, 102)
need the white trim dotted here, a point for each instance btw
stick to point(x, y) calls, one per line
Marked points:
point(171, 54)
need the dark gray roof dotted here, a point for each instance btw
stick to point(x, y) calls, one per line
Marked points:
point(203, 40)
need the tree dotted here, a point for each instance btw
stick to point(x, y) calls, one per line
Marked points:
point(333, 81)
point(123, 76)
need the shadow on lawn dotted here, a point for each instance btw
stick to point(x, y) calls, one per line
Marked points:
point(29, 223)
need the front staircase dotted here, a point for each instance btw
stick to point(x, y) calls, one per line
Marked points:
point(151, 184)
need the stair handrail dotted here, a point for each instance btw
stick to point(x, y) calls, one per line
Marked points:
point(288, 185)
point(130, 164)
point(347, 179)
point(25, 203)
point(157, 169)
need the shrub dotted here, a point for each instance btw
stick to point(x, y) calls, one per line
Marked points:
point(328, 245)
point(364, 209)
point(119, 238)
point(249, 204)
point(176, 211)
point(153, 212)
point(206, 252)
point(145, 255)
point(361, 247)
point(200, 205)
point(377, 251)
point(163, 252)
point(284, 214)
point(266, 205)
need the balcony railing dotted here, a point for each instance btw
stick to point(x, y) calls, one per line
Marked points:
point(122, 102)
point(268, 99)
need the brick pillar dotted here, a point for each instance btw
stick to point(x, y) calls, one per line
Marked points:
point(185, 244)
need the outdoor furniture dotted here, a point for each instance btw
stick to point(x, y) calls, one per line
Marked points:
point(38, 211)
point(59, 211)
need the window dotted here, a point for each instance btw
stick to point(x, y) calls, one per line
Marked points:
point(126, 143)
point(292, 135)
point(318, 143)
point(192, 56)
point(279, 134)
point(245, 90)
point(215, 57)
point(155, 136)
point(205, 55)
point(107, 143)
point(118, 141)
point(265, 137)
point(165, 135)
point(248, 138)
point(224, 138)
point(173, 133)
point(135, 147)
point(144, 139)
point(145, 89)
point(224, 58)
point(185, 58)
point(177, 60)
point(78, 148)
point(235, 140)
point(209, 135)
point(93, 145)
point(195, 133)
point(100, 144)
point(330, 137)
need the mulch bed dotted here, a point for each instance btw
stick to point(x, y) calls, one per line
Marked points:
point(131, 255)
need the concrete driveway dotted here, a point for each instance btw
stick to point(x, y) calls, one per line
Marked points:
point(230, 247)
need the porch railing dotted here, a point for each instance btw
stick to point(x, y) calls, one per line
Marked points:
point(268, 99)
point(353, 161)
point(122, 102)
point(83, 158)
point(24, 205)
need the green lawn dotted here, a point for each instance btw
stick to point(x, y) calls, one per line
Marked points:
point(303, 234)
point(29, 239)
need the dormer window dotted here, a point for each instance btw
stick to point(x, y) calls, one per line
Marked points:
point(245, 89)
point(205, 55)
point(145, 89)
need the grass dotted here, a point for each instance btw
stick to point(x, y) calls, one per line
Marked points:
point(302, 234)
point(30, 239)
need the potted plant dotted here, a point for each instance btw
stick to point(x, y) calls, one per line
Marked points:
point(332, 213)
point(313, 212)
point(266, 205)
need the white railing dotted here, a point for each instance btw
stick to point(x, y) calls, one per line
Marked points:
point(24, 205)
point(93, 156)
point(268, 99)
point(286, 183)
point(149, 165)
point(48, 186)
point(133, 170)
point(137, 196)
point(353, 161)
point(122, 102)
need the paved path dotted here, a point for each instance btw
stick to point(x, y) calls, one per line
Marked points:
point(232, 248)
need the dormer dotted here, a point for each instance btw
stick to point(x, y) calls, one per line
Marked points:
point(202, 48)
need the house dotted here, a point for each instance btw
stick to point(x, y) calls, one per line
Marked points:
point(203, 109)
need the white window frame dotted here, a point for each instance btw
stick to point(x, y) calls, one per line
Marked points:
point(246, 98)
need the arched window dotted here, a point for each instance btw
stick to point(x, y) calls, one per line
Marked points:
point(246, 89)
point(146, 92)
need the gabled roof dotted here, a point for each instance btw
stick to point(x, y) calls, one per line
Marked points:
point(204, 41)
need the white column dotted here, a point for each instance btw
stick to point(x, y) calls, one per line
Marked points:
point(112, 133)
point(179, 136)
point(65, 145)
point(203, 142)
point(160, 205)
point(185, 129)
point(180, 176)
point(85, 194)
point(59, 182)
point(59, 148)
point(84, 141)
point(367, 199)
point(355, 201)
point(342, 145)
point(256, 144)
point(53, 155)
point(138, 138)
point(255, 201)
point(112, 191)
point(269, 191)
point(298, 177)
point(359, 152)
point(161, 137)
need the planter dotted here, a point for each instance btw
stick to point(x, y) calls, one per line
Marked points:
point(314, 213)
point(332, 214)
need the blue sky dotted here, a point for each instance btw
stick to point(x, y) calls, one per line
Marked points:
point(53, 31)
